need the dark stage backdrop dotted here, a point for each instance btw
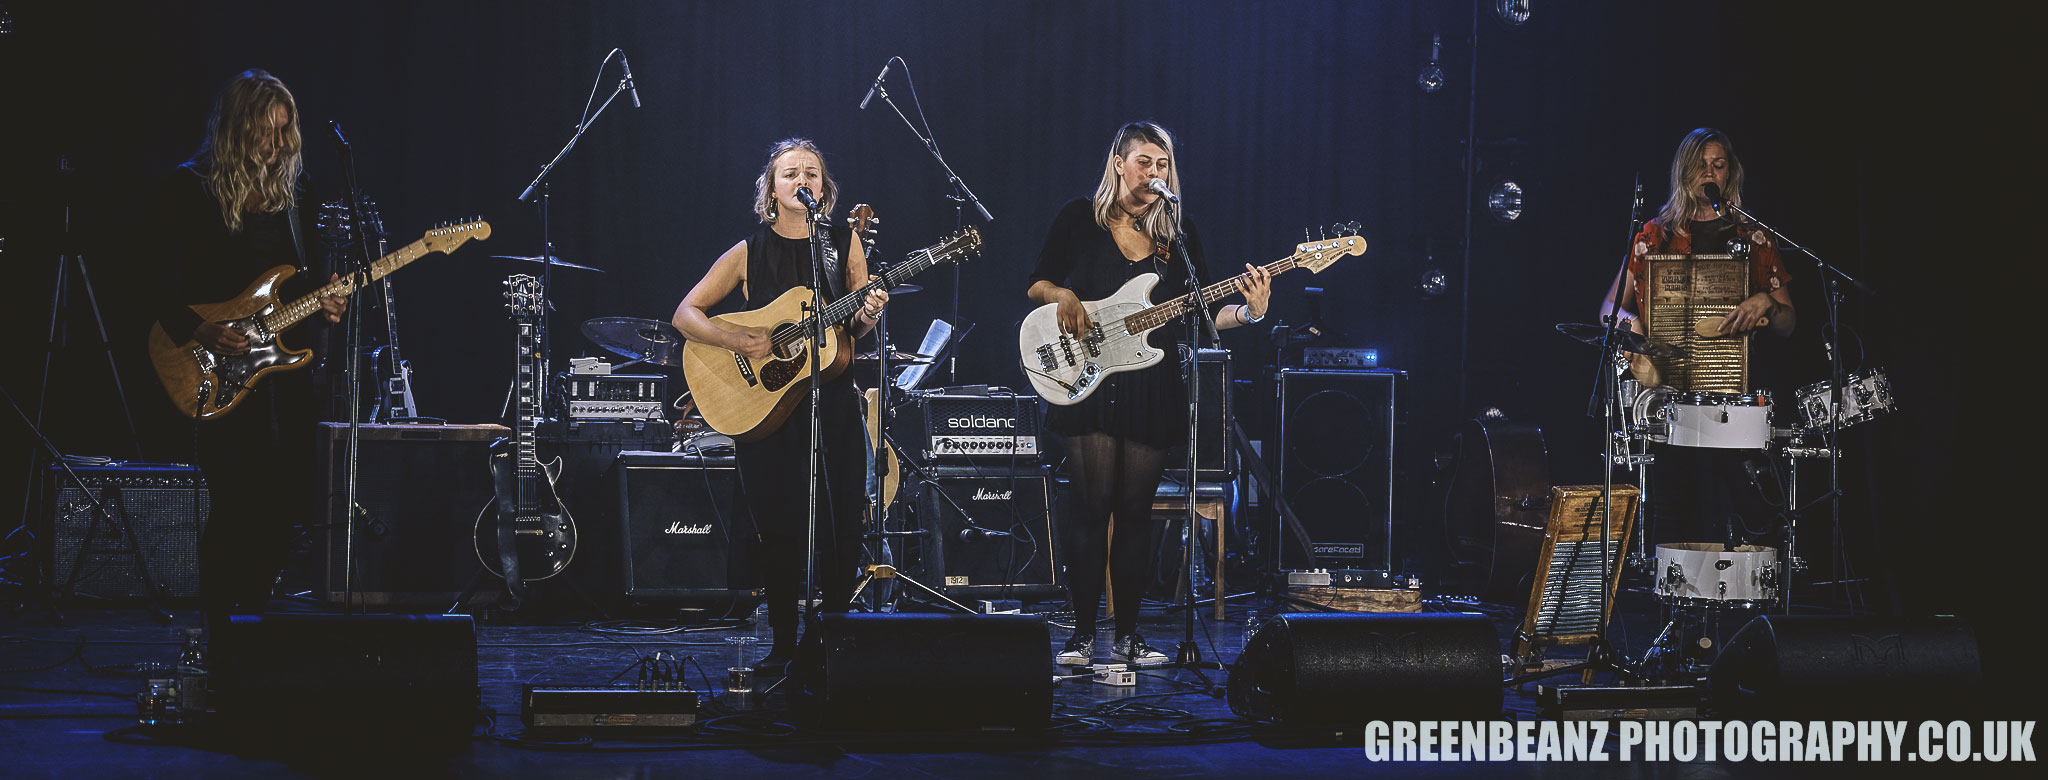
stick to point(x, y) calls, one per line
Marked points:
point(1289, 115)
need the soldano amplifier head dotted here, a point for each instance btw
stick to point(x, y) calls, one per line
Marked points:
point(970, 427)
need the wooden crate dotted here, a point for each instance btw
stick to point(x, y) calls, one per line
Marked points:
point(1361, 599)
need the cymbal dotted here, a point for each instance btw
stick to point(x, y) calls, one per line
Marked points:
point(550, 260)
point(638, 339)
point(899, 358)
point(1627, 340)
point(906, 289)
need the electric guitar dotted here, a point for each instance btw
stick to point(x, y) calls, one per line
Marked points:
point(748, 399)
point(205, 384)
point(387, 374)
point(525, 534)
point(1065, 369)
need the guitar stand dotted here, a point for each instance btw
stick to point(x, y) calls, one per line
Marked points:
point(484, 577)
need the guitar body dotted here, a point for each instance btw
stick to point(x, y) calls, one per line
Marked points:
point(204, 384)
point(543, 538)
point(1064, 369)
point(890, 470)
point(749, 399)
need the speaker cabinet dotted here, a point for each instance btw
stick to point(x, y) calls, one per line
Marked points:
point(991, 533)
point(1347, 669)
point(1337, 466)
point(931, 672)
point(1218, 458)
point(164, 511)
point(346, 680)
point(1848, 667)
point(681, 529)
point(421, 488)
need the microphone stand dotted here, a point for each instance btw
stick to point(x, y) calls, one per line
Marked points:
point(961, 197)
point(352, 374)
point(1189, 655)
point(536, 192)
point(1831, 277)
point(815, 219)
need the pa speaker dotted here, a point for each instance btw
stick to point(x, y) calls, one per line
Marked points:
point(310, 679)
point(928, 672)
point(1347, 669)
point(1853, 667)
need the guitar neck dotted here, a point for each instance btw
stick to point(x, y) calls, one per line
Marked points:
point(1169, 310)
point(525, 457)
point(839, 311)
point(291, 313)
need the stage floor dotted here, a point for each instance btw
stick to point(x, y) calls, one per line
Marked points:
point(70, 701)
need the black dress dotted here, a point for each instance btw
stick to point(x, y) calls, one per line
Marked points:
point(258, 459)
point(774, 470)
point(1149, 405)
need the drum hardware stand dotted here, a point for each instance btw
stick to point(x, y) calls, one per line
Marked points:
point(60, 330)
point(1831, 278)
point(961, 195)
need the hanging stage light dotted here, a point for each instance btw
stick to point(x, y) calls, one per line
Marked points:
point(1513, 13)
point(1504, 201)
point(1431, 78)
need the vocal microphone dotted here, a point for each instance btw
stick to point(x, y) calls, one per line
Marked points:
point(973, 534)
point(877, 87)
point(1159, 186)
point(1713, 192)
point(631, 88)
point(804, 196)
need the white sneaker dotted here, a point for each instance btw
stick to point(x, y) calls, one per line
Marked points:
point(1132, 650)
point(1080, 651)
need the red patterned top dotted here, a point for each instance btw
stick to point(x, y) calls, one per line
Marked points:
point(1766, 269)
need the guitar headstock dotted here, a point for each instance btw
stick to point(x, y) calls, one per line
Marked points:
point(1340, 240)
point(523, 296)
point(446, 237)
point(956, 247)
point(863, 221)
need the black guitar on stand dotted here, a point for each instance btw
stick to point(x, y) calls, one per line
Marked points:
point(525, 534)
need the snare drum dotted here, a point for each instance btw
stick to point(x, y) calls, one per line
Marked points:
point(1865, 396)
point(1726, 421)
point(1708, 575)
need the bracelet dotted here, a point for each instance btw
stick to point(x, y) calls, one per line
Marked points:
point(1247, 319)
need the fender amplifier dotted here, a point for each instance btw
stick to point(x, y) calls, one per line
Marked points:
point(165, 506)
point(962, 426)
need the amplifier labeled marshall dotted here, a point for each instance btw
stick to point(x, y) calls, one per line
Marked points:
point(992, 532)
point(963, 427)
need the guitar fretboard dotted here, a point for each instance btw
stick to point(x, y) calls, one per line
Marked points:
point(1169, 310)
point(291, 313)
point(839, 311)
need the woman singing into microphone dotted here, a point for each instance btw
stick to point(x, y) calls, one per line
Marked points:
point(773, 470)
point(1118, 439)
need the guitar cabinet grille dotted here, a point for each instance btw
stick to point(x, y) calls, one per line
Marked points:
point(164, 512)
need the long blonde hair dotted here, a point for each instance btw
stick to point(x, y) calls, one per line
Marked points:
point(1685, 166)
point(239, 180)
point(764, 190)
point(1155, 222)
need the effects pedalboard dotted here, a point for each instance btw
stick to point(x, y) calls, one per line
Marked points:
point(608, 707)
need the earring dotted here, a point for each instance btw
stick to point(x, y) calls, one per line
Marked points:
point(771, 210)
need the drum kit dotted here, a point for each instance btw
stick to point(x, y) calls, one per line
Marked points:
point(1715, 578)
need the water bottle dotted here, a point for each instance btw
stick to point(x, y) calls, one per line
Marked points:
point(762, 633)
point(192, 676)
point(157, 704)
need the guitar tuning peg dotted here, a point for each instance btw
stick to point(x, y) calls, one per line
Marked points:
point(1322, 232)
point(1304, 235)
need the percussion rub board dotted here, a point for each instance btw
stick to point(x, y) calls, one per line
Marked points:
point(1565, 606)
point(1684, 289)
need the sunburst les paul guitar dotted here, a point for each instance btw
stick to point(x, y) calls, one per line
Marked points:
point(748, 399)
point(1066, 368)
point(205, 384)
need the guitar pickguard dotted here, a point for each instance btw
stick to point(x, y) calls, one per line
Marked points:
point(234, 373)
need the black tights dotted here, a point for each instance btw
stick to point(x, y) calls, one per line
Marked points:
point(1119, 477)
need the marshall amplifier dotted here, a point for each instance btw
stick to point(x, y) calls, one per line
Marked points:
point(966, 427)
point(681, 526)
point(991, 533)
